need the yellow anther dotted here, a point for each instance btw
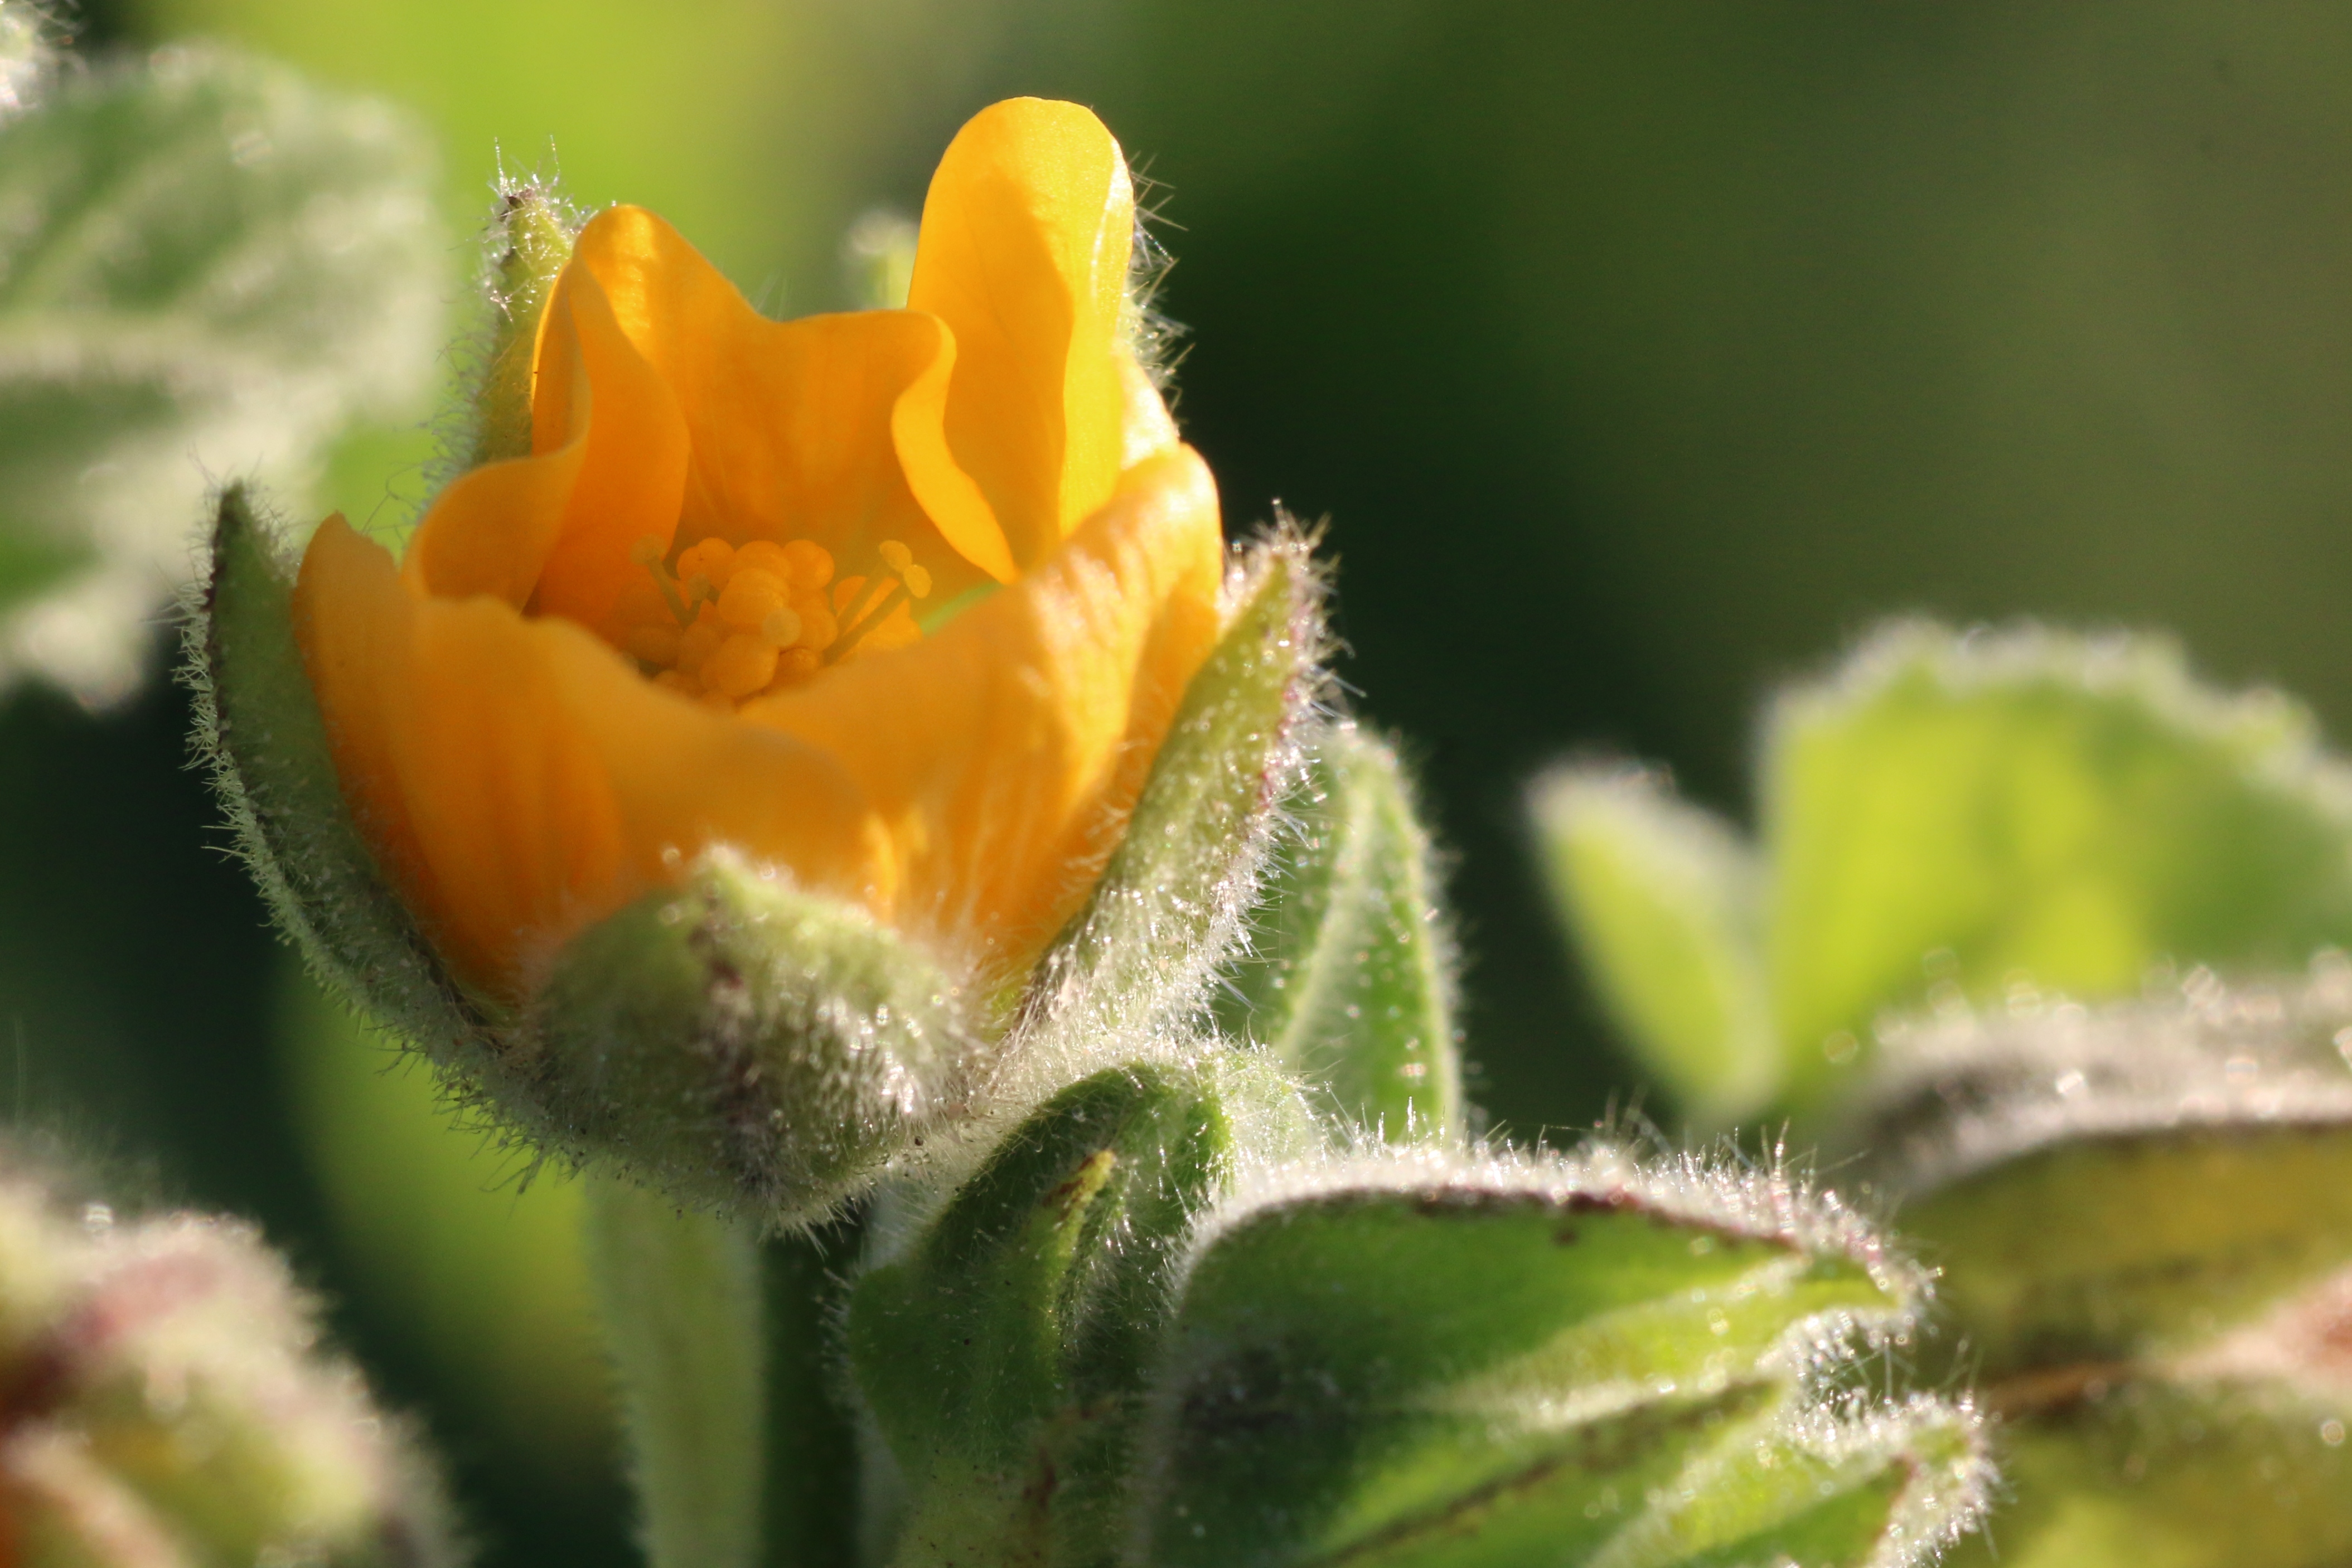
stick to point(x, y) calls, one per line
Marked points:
point(818, 626)
point(646, 551)
point(781, 629)
point(917, 580)
point(711, 558)
point(767, 555)
point(895, 555)
point(684, 685)
point(655, 643)
point(811, 564)
point(794, 666)
point(739, 666)
point(751, 596)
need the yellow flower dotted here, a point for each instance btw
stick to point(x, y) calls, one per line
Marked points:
point(900, 602)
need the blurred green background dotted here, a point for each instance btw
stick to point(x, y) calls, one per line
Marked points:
point(1638, 354)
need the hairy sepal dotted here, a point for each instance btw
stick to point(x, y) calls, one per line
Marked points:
point(1001, 1348)
point(1348, 979)
point(739, 1039)
point(1167, 909)
point(259, 729)
point(526, 244)
point(1418, 1359)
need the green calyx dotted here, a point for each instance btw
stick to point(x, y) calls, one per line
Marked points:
point(529, 240)
point(1168, 905)
point(259, 727)
point(1348, 979)
point(740, 1040)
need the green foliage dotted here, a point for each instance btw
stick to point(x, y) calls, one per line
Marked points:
point(2154, 1473)
point(1953, 816)
point(1665, 904)
point(1003, 1356)
point(1348, 980)
point(1408, 1365)
point(206, 269)
point(2136, 1208)
point(2071, 810)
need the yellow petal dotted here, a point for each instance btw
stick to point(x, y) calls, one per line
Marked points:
point(1024, 253)
point(827, 428)
point(609, 465)
point(1003, 754)
point(517, 780)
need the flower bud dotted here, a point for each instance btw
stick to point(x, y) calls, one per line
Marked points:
point(1003, 1347)
point(1420, 1359)
point(167, 1404)
point(783, 726)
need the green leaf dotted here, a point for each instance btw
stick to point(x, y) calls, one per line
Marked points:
point(1003, 1355)
point(2109, 1186)
point(1391, 1363)
point(1664, 903)
point(2069, 810)
point(1349, 981)
point(1168, 906)
point(206, 266)
point(1897, 1487)
point(2145, 1472)
point(680, 1295)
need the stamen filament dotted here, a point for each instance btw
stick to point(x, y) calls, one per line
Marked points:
point(848, 639)
point(647, 554)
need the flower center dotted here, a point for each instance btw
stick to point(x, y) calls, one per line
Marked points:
point(737, 622)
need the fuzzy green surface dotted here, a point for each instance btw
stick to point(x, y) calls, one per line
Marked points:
point(1348, 979)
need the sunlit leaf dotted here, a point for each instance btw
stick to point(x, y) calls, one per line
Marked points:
point(206, 269)
point(1663, 901)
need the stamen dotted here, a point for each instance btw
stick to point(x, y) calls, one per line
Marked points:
point(866, 589)
point(712, 558)
point(761, 618)
point(647, 553)
point(751, 596)
point(740, 665)
point(848, 639)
